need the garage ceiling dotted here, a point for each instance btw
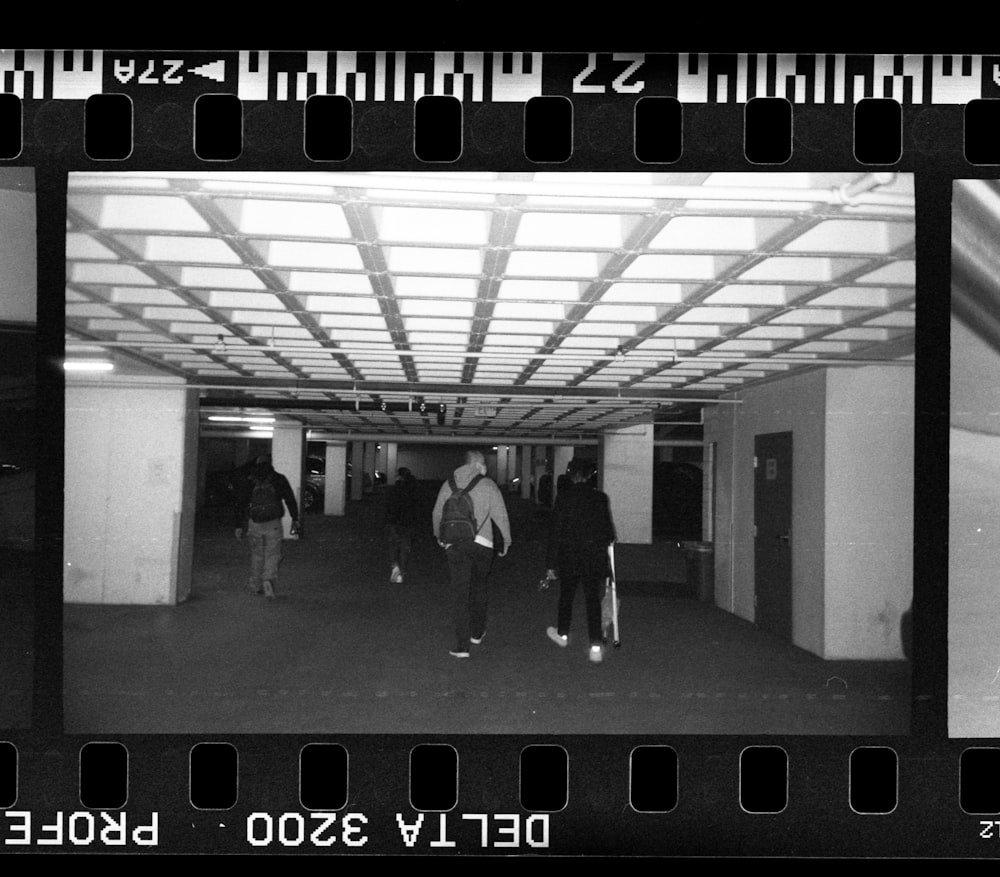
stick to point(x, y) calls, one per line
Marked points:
point(545, 304)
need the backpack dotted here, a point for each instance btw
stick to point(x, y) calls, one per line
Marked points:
point(458, 517)
point(265, 504)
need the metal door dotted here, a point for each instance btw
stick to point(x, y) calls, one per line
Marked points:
point(773, 537)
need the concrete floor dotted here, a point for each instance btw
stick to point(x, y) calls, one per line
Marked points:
point(343, 651)
point(17, 639)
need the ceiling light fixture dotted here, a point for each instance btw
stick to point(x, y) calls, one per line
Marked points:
point(88, 365)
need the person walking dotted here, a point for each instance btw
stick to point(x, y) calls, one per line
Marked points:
point(467, 506)
point(581, 531)
point(262, 495)
point(401, 518)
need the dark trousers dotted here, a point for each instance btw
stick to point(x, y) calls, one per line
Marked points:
point(400, 544)
point(592, 598)
point(469, 566)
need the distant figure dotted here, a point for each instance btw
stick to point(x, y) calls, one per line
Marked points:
point(545, 488)
point(562, 482)
point(261, 497)
point(401, 520)
point(581, 531)
point(467, 505)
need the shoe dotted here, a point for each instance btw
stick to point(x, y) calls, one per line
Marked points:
point(597, 654)
point(458, 654)
point(557, 637)
point(476, 641)
point(253, 589)
point(268, 589)
point(395, 577)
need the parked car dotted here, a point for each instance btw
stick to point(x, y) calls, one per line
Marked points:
point(314, 483)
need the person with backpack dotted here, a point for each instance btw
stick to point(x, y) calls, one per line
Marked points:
point(401, 517)
point(468, 505)
point(262, 495)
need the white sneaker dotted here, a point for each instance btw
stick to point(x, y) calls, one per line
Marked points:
point(475, 641)
point(395, 577)
point(455, 653)
point(556, 637)
point(597, 654)
point(268, 589)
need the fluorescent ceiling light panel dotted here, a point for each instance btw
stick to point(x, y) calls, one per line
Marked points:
point(899, 273)
point(626, 313)
point(714, 233)
point(905, 319)
point(433, 260)
point(436, 287)
point(91, 309)
point(611, 330)
point(436, 324)
point(435, 308)
point(716, 315)
point(521, 327)
point(108, 274)
point(145, 212)
point(83, 246)
point(674, 267)
point(754, 294)
point(252, 300)
point(859, 334)
point(530, 263)
point(861, 297)
point(293, 219)
point(427, 225)
point(540, 290)
point(823, 347)
point(220, 278)
point(853, 236)
point(499, 343)
point(342, 304)
point(789, 332)
point(528, 310)
point(694, 330)
point(811, 317)
point(180, 248)
point(72, 365)
point(653, 293)
point(191, 315)
point(306, 254)
point(280, 332)
point(266, 318)
point(601, 231)
point(329, 282)
point(351, 321)
point(341, 334)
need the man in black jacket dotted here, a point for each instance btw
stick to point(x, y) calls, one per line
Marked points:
point(581, 532)
point(261, 496)
point(401, 520)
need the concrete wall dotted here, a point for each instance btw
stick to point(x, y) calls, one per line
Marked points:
point(796, 405)
point(129, 493)
point(869, 510)
point(852, 489)
point(626, 476)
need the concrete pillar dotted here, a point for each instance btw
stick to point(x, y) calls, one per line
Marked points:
point(526, 456)
point(540, 452)
point(129, 498)
point(627, 478)
point(391, 462)
point(370, 452)
point(288, 454)
point(563, 454)
point(357, 469)
point(501, 479)
point(335, 484)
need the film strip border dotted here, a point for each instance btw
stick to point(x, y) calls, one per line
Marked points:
point(494, 795)
point(503, 76)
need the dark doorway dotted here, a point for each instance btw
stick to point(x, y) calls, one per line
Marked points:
point(773, 532)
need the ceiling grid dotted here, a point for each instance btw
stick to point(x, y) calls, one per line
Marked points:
point(525, 304)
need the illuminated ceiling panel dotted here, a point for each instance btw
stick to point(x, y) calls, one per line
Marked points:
point(318, 282)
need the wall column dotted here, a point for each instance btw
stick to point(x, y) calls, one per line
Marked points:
point(502, 452)
point(627, 479)
point(525, 452)
point(391, 458)
point(335, 483)
point(288, 454)
point(357, 469)
point(128, 513)
point(370, 453)
point(563, 454)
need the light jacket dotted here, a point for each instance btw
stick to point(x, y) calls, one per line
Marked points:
point(487, 503)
